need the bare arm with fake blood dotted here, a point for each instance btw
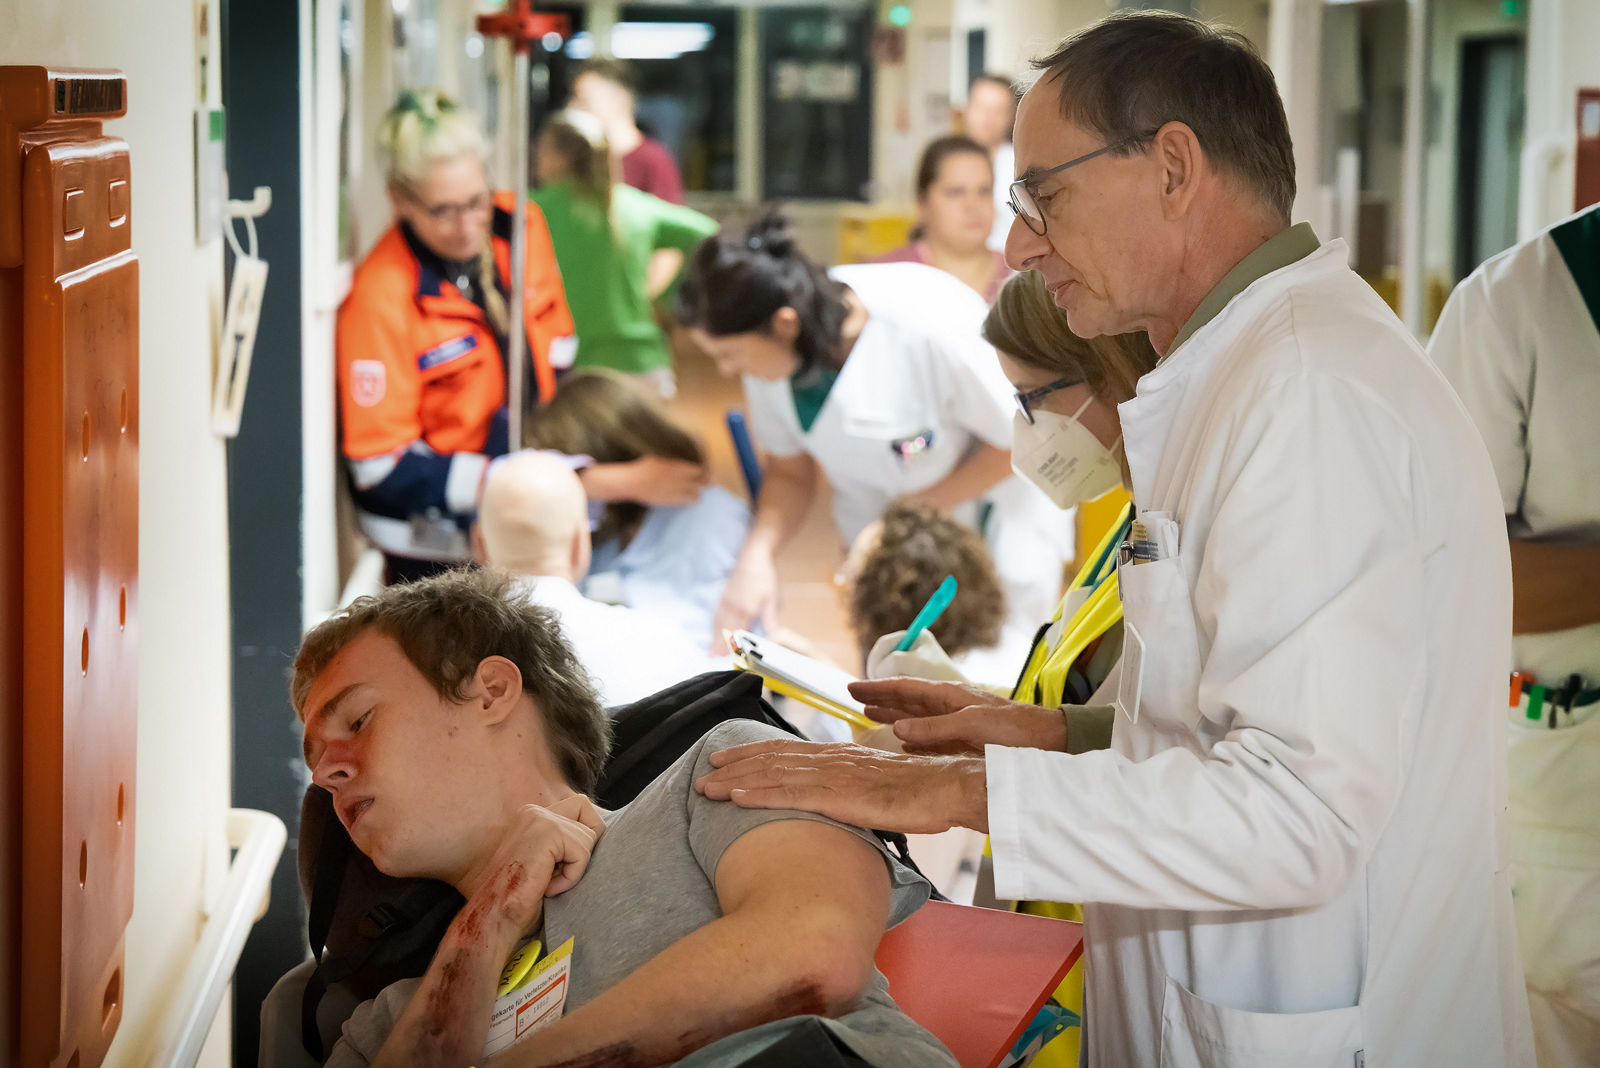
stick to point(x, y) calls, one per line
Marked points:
point(544, 853)
point(804, 905)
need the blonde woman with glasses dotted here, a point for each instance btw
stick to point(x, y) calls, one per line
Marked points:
point(422, 342)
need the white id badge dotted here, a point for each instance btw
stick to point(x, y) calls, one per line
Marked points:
point(536, 1000)
point(1132, 678)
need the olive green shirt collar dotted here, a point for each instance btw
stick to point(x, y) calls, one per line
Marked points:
point(1290, 246)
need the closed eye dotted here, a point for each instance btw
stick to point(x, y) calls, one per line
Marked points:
point(355, 728)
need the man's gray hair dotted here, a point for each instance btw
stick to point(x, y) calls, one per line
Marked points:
point(1130, 73)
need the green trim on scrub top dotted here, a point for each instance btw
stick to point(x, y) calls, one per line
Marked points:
point(1290, 246)
point(1578, 240)
point(809, 398)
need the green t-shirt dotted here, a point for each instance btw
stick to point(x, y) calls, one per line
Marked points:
point(603, 266)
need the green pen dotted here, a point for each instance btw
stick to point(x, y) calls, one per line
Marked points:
point(931, 611)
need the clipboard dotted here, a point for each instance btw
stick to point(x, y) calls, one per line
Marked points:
point(807, 680)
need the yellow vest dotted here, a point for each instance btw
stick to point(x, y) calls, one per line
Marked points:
point(1096, 607)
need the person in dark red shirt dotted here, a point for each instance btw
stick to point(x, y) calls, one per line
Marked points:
point(605, 89)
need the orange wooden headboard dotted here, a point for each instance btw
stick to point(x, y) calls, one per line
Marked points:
point(65, 223)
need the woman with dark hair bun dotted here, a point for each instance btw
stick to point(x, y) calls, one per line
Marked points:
point(877, 376)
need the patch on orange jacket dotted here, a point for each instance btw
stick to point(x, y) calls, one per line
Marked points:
point(368, 382)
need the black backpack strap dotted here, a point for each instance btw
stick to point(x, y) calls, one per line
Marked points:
point(901, 848)
point(321, 875)
point(682, 703)
point(332, 854)
point(310, 1033)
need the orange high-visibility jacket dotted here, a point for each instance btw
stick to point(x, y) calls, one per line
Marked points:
point(422, 383)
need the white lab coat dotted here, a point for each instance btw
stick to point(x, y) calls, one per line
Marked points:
point(919, 373)
point(1291, 851)
point(628, 653)
point(1522, 349)
point(1005, 167)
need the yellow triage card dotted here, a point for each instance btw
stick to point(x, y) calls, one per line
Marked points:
point(807, 680)
point(532, 994)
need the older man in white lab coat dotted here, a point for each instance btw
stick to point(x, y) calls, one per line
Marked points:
point(1291, 851)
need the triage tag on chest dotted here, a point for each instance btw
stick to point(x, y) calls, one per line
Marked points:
point(530, 995)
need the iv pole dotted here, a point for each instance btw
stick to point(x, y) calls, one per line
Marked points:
point(520, 26)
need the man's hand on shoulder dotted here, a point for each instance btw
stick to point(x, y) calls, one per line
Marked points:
point(853, 784)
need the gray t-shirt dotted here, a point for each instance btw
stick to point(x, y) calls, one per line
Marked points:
point(651, 881)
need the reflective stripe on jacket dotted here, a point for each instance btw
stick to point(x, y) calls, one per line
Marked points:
point(422, 382)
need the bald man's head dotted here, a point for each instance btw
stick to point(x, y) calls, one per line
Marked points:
point(534, 517)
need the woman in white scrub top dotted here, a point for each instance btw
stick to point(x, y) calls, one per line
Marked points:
point(877, 376)
point(1520, 342)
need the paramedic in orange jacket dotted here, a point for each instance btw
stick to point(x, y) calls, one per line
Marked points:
point(421, 343)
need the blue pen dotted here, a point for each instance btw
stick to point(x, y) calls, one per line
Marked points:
point(931, 611)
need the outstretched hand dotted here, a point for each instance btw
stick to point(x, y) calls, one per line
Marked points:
point(660, 480)
point(956, 718)
point(751, 595)
point(852, 784)
point(651, 480)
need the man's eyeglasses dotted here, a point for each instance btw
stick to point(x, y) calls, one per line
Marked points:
point(450, 213)
point(1027, 400)
point(1025, 205)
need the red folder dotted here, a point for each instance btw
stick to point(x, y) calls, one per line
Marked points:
point(976, 977)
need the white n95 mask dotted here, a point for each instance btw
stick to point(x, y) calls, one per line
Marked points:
point(1062, 457)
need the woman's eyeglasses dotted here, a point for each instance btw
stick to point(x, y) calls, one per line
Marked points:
point(450, 213)
point(1027, 400)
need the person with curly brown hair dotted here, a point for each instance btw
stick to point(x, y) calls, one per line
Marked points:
point(895, 566)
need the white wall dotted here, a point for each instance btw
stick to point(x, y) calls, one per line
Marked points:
point(1249, 17)
point(182, 788)
point(911, 100)
point(1019, 30)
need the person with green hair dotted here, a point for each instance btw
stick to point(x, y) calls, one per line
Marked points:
point(620, 249)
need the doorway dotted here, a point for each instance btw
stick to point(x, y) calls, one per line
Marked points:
point(1493, 77)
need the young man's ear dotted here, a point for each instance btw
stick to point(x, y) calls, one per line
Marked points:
point(480, 548)
point(580, 553)
point(496, 689)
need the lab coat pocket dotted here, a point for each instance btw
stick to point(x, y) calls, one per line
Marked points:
point(1161, 653)
point(1196, 1033)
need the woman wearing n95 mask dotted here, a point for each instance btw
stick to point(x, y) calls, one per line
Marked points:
point(1067, 441)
